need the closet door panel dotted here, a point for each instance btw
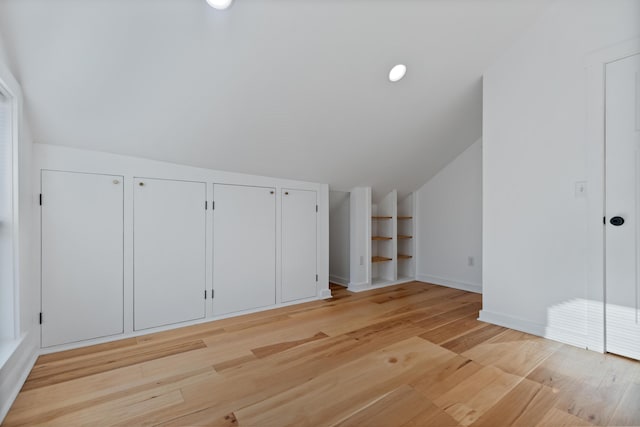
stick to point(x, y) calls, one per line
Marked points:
point(244, 248)
point(169, 252)
point(82, 256)
point(299, 249)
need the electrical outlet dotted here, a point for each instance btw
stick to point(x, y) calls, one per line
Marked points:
point(470, 261)
point(361, 260)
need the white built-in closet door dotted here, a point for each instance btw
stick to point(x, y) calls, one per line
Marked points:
point(82, 256)
point(299, 219)
point(244, 248)
point(169, 229)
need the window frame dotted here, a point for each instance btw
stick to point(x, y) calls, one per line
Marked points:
point(12, 331)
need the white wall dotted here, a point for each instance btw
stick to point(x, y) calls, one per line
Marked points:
point(449, 224)
point(17, 356)
point(339, 249)
point(538, 235)
point(360, 238)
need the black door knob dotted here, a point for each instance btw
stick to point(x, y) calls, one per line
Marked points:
point(617, 221)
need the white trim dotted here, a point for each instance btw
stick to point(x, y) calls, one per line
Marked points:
point(456, 284)
point(595, 133)
point(556, 334)
point(338, 280)
point(24, 364)
point(325, 294)
point(22, 350)
point(12, 98)
point(358, 286)
point(364, 286)
point(511, 322)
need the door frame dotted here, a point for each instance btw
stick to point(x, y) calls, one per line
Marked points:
point(595, 144)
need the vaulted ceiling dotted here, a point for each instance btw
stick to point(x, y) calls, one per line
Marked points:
point(287, 88)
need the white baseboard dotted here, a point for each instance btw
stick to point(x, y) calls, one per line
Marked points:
point(339, 280)
point(358, 287)
point(510, 322)
point(16, 370)
point(361, 287)
point(565, 336)
point(456, 284)
point(325, 293)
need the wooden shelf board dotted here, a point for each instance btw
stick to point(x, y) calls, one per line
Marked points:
point(381, 217)
point(400, 256)
point(380, 259)
point(381, 238)
point(405, 217)
point(401, 236)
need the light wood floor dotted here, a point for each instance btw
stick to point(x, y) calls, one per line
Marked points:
point(410, 355)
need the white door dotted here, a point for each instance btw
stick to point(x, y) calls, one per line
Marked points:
point(82, 256)
point(244, 248)
point(623, 207)
point(169, 232)
point(299, 218)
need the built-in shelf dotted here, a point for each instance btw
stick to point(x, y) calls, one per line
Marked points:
point(400, 256)
point(380, 259)
point(381, 238)
point(381, 217)
point(402, 236)
point(405, 217)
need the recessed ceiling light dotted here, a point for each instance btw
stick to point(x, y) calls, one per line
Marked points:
point(397, 72)
point(219, 4)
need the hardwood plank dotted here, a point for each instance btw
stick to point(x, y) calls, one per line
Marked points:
point(628, 411)
point(431, 415)
point(243, 384)
point(201, 418)
point(228, 364)
point(56, 372)
point(432, 322)
point(385, 370)
point(114, 412)
point(512, 351)
point(48, 397)
point(195, 332)
point(468, 340)
point(279, 347)
point(422, 309)
point(407, 355)
point(179, 363)
point(83, 351)
point(526, 404)
point(557, 418)
point(590, 385)
point(398, 407)
point(56, 410)
point(282, 372)
point(436, 381)
point(241, 326)
point(453, 330)
point(475, 395)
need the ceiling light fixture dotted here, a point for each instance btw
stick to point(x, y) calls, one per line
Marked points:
point(397, 72)
point(219, 4)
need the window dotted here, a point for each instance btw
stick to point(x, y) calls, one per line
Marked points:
point(7, 282)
